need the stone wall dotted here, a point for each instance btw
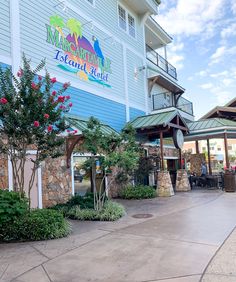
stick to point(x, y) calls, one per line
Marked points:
point(182, 182)
point(56, 181)
point(3, 172)
point(195, 163)
point(164, 185)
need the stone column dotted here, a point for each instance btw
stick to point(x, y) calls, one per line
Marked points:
point(3, 172)
point(56, 181)
point(164, 188)
point(182, 182)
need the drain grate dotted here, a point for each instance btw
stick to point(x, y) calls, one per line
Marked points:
point(142, 215)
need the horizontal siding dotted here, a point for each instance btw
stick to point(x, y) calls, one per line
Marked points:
point(86, 104)
point(105, 12)
point(135, 84)
point(5, 35)
point(33, 17)
point(135, 113)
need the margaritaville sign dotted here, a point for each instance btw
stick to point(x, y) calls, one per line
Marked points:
point(74, 53)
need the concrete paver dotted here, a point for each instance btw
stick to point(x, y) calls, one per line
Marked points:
point(175, 245)
point(223, 265)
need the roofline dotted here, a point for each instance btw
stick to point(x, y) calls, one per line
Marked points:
point(218, 108)
point(230, 102)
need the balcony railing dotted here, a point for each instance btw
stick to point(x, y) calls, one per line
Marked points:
point(166, 100)
point(159, 61)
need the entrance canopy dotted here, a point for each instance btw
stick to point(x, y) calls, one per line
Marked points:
point(161, 125)
point(164, 122)
point(77, 125)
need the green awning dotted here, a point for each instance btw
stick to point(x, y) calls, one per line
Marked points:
point(210, 124)
point(159, 119)
point(211, 128)
point(81, 124)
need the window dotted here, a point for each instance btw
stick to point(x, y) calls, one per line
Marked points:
point(218, 149)
point(126, 21)
point(131, 25)
point(212, 148)
point(230, 147)
point(122, 18)
point(204, 149)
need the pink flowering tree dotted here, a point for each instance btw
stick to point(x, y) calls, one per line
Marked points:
point(31, 117)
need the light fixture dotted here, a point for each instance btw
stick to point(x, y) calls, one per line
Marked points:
point(138, 70)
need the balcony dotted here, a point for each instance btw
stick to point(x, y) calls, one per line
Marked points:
point(167, 100)
point(159, 61)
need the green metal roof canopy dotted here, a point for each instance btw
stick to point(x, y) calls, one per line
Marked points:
point(81, 124)
point(155, 120)
point(211, 128)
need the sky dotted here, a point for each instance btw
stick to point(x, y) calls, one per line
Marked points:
point(203, 49)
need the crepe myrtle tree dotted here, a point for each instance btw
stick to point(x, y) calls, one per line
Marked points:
point(31, 117)
point(114, 155)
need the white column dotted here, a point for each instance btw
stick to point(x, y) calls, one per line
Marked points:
point(10, 175)
point(15, 35)
point(72, 174)
point(40, 188)
point(126, 83)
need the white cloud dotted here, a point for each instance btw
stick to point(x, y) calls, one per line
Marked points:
point(227, 82)
point(208, 85)
point(192, 17)
point(233, 7)
point(202, 73)
point(219, 74)
point(174, 54)
point(229, 31)
point(220, 53)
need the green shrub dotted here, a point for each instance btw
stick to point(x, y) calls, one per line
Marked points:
point(38, 225)
point(111, 211)
point(137, 192)
point(12, 206)
point(84, 202)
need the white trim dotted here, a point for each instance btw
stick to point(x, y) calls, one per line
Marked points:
point(126, 84)
point(40, 188)
point(10, 175)
point(5, 60)
point(15, 35)
point(72, 174)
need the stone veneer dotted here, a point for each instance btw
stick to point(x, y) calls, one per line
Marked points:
point(3, 172)
point(56, 181)
point(164, 185)
point(182, 182)
point(196, 161)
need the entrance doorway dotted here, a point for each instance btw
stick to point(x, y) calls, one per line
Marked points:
point(82, 176)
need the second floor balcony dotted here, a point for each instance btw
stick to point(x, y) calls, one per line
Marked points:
point(161, 62)
point(167, 100)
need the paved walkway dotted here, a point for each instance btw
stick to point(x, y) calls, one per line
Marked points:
point(175, 245)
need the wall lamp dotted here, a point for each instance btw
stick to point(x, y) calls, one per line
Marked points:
point(138, 70)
